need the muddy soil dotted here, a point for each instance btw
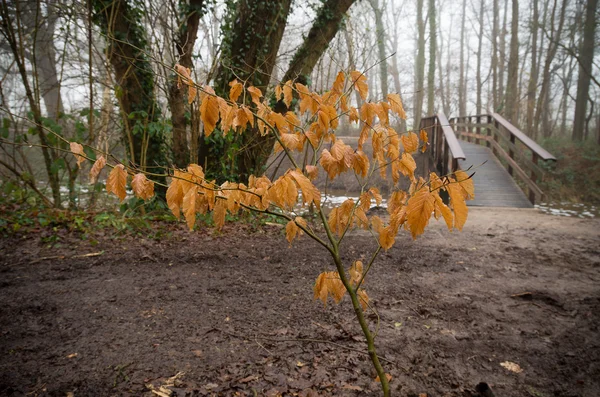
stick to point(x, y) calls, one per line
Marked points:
point(202, 314)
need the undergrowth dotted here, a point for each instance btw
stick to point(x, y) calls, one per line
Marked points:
point(575, 177)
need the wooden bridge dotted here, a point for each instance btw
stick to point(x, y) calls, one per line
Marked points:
point(504, 160)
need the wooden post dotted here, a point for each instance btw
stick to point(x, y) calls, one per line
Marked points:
point(533, 176)
point(489, 130)
point(511, 153)
point(496, 132)
point(478, 129)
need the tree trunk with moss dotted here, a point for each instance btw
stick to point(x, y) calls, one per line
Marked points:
point(186, 38)
point(120, 21)
point(253, 32)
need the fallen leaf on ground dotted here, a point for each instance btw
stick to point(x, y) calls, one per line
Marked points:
point(300, 364)
point(513, 367)
point(352, 387)
point(248, 379)
point(72, 355)
point(388, 376)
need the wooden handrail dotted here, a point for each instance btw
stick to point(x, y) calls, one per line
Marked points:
point(530, 143)
point(498, 133)
point(451, 138)
point(444, 143)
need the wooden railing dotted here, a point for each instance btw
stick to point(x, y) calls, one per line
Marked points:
point(501, 136)
point(445, 148)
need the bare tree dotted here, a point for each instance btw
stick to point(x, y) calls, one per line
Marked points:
point(586, 56)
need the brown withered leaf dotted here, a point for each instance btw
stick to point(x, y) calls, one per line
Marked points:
point(236, 90)
point(424, 141)
point(287, 93)
point(77, 150)
point(209, 111)
point(255, 93)
point(356, 271)
point(374, 192)
point(363, 298)
point(116, 182)
point(189, 206)
point(219, 211)
point(419, 210)
point(442, 209)
point(387, 237)
point(396, 105)
point(320, 289)
point(338, 84)
point(410, 141)
point(291, 230)
point(309, 192)
point(466, 183)
point(407, 165)
point(459, 206)
point(360, 163)
point(312, 171)
point(99, 164)
point(142, 187)
point(175, 195)
point(360, 84)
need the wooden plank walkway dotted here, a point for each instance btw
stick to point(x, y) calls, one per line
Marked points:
point(494, 187)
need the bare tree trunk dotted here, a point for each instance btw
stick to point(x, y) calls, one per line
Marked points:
point(586, 56)
point(494, 65)
point(419, 66)
point(478, 78)
point(351, 60)
point(380, 33)
point(512, 100)
point(542, 108)
point(502, 61)
point(462, 105)
point(533, 73)
point(432, 55)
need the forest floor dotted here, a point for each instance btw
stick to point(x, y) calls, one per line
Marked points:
point(232, 314)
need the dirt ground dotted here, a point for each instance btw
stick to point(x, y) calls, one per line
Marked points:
point(233, 314)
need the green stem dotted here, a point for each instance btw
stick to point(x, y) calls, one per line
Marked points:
point(360, 316)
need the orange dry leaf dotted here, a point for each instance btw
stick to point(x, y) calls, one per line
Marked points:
point(117, 179)
point(425, 140)
point(338, 84)
point(387, 237)
point(363, 298)
point(292, 229)
point(457, 200)
point(360, 83)
point(396, 105)
point(184, 76)
point(312, 172)
point(142, 186)
point(255, 93)
point(287, 93)
point(189, 206)
point(77, 150)
point(209, 111)
point(97, 168)
point(309, 192)
point(360, 163)
point(442, 209)
point(410, 141)
point(466, 183)
point(175, 195)
point(418, 212)
point(236, 90)
point(219, 212)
